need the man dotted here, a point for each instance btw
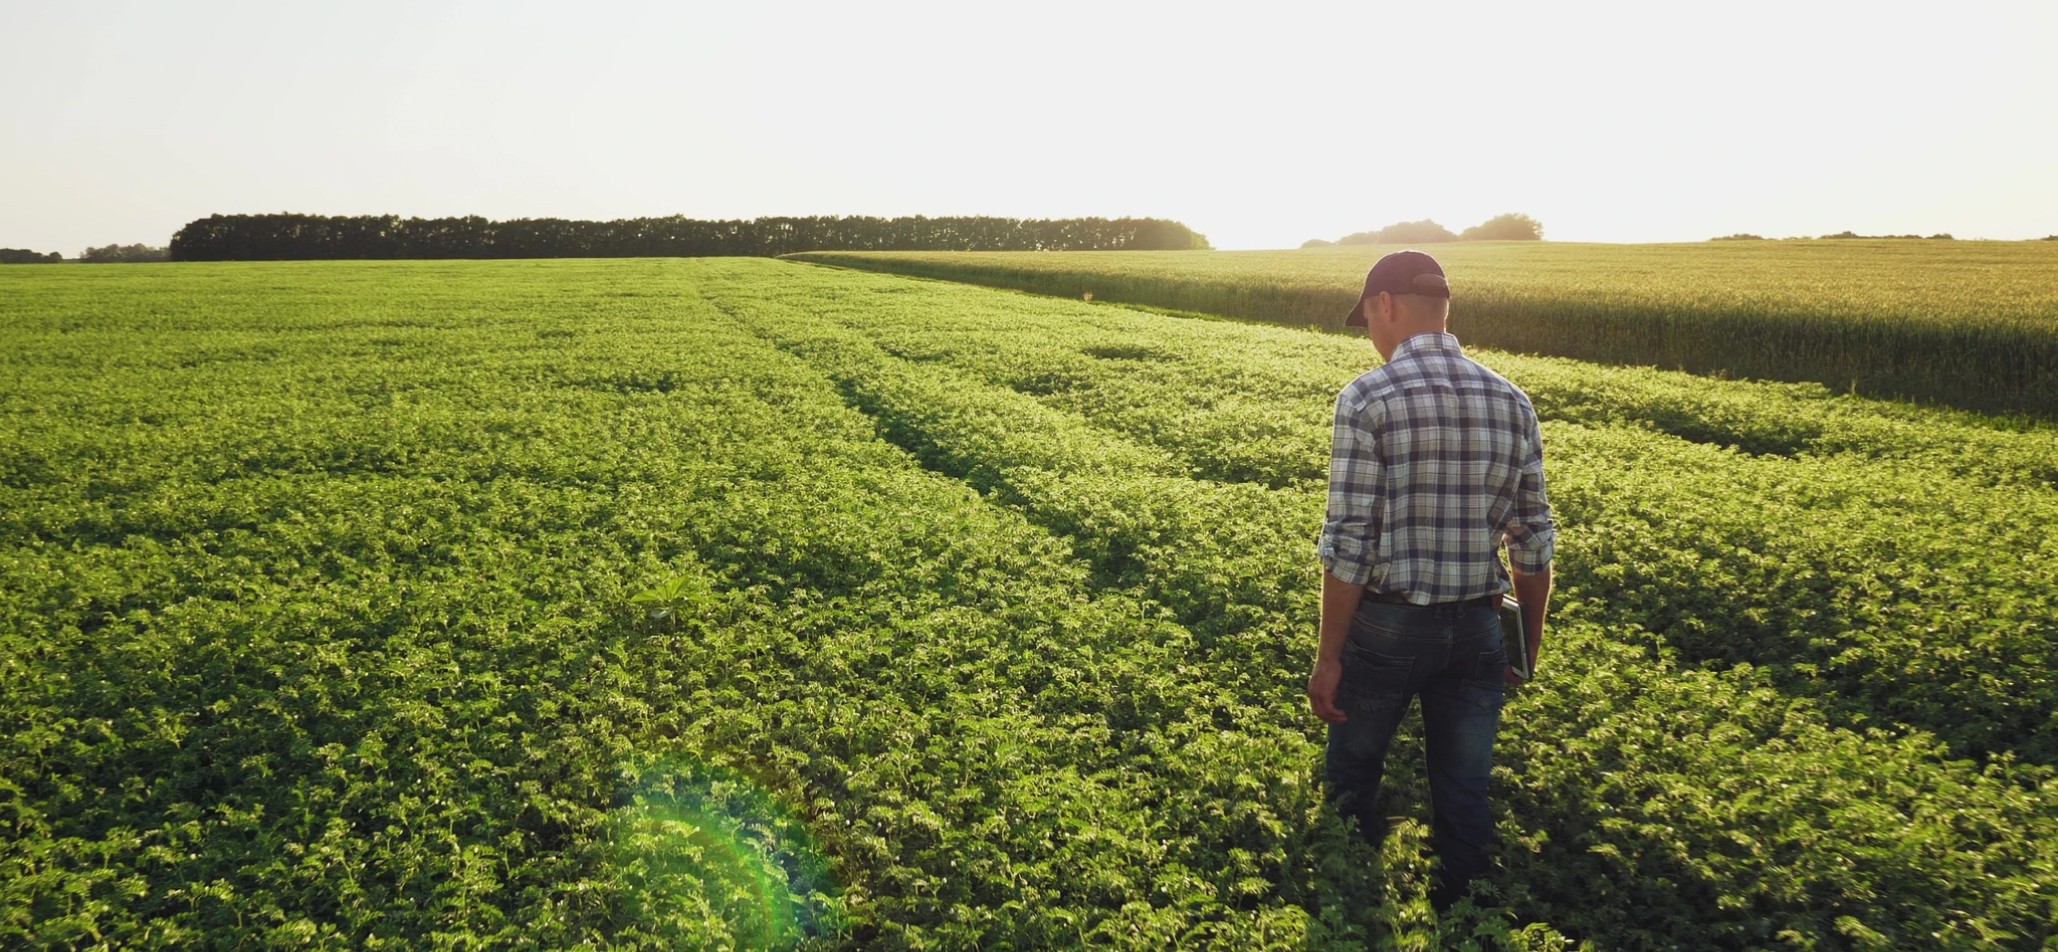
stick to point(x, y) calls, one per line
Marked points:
point(1435, 465)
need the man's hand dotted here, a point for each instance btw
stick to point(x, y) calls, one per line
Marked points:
point(1339, 602)
point(1322, 691)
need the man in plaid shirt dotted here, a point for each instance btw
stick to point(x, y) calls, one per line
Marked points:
point(1436, 465)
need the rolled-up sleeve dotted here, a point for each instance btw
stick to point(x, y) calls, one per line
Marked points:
point(1532, 534)
point(1349, 545)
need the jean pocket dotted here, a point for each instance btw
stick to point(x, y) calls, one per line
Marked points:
point(1487, 668)
point(1372, 674)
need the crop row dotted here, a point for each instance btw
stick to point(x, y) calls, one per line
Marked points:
point(696, 604)
point(1672, 791)
point(1903, 583)
point(603, 622)
point(1967, 324)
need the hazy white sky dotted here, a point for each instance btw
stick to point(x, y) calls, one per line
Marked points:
point(1261, 124)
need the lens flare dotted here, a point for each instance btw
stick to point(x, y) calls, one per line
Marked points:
point(708, 858)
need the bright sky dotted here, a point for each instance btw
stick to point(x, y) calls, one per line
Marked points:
point(1258, 124)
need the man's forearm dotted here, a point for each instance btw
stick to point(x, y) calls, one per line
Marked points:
point(1339, 602)
point(1534, 592)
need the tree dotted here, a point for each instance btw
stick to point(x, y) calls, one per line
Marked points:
point(1401, 233)
point(122, 253)
point(25, 256)
point(1942, 236)
point(1513, 226)
point(1155, 234)
point(1316, 243)
point(289, 236)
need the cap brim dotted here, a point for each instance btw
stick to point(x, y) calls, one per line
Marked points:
point(1356, 318)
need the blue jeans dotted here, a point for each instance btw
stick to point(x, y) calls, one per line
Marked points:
point(1453, 657)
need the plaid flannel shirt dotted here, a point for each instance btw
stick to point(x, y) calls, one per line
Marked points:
point(1435, 463)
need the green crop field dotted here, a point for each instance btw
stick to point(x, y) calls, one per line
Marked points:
point(743, 603)
point(1971, 324)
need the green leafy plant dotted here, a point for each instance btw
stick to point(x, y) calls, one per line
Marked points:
point(746, 604)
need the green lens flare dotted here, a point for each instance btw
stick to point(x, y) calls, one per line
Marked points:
point(708, 857)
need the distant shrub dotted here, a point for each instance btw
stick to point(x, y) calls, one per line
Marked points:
point(1513, 226)
point(25, 256)
point(1739, 236)
point(1321, 243)
point(122, 253)
point(1940, 236)
point(1401, 233)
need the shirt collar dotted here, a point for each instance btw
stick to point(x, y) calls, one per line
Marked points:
point(1429, 342)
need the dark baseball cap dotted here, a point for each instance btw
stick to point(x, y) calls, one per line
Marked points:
point(1403, 272)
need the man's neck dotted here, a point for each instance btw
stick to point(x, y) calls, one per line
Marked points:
point(1415, 335)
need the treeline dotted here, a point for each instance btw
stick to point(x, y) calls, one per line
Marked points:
point(1513, 226)
point(284, 237)
point(123, 253)
point(1747, 236)
point(104, 254)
